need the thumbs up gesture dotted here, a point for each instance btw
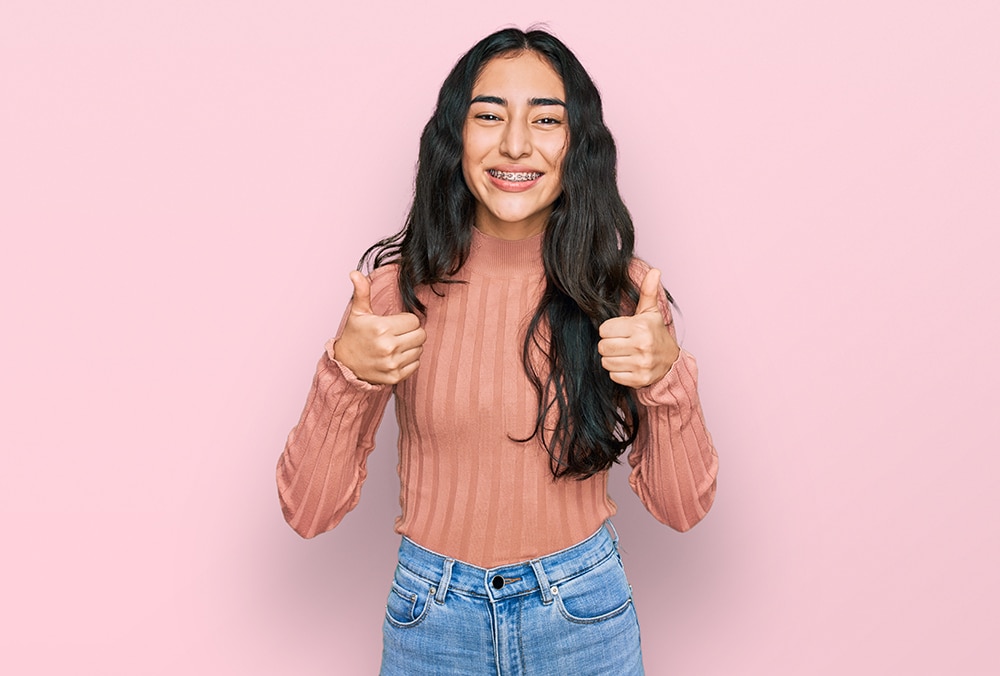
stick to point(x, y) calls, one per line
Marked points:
point(639, 350)
point(379, 350)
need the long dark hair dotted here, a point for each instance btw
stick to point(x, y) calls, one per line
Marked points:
point(585, 421)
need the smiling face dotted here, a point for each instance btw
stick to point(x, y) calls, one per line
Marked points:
point(514, 140)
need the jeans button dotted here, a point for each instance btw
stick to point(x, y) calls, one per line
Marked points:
point(497, 582)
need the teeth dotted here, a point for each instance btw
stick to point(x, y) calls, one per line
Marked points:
point(514, 176)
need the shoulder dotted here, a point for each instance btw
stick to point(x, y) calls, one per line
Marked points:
point(385, 289)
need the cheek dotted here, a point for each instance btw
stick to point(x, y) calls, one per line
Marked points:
point(475, 144)
point(468, 144)
point(555, 151)
point(468, 173)
point(469, 161)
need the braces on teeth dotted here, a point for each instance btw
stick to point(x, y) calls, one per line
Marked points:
point(515, 175)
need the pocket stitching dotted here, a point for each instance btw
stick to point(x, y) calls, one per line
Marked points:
point(591, 620)
point(407, 595)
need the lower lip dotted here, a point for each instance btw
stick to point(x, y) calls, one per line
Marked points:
point(513, 186)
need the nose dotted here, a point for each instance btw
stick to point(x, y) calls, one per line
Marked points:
point(516, 141)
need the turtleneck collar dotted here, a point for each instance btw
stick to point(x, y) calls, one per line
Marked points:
point(495, 257)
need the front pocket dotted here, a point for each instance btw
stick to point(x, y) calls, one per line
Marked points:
point(409, 600)
point(599, 594)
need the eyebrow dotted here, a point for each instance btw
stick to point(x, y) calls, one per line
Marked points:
point(483, 98)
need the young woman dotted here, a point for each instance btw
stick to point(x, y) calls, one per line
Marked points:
point(527, 350)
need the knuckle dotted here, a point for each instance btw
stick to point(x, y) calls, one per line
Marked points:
point(382, 347)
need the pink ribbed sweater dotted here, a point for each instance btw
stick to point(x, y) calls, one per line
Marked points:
point(467, 490)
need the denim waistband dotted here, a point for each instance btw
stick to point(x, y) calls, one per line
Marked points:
point(514, 579)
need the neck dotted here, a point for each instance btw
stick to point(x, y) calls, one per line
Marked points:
point(490, 225)
point(497, 257)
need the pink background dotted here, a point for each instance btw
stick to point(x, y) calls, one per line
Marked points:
point(185, 185)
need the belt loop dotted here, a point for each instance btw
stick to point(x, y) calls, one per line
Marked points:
point(445, 581)
point(543, 581)
point(614, 533)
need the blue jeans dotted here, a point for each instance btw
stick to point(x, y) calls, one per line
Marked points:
point(567, 613)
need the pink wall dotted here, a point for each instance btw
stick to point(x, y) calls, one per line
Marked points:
point(185, 185)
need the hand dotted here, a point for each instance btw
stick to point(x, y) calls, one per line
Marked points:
point(379, 350)
point(639, 350)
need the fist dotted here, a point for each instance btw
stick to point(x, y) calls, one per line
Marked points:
point(379, 350)
point(637, 351)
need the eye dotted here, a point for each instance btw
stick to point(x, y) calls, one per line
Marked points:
point(489, 117)
point(548, 121)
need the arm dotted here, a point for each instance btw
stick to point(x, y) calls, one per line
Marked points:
point(674, 463)
point(322, 468)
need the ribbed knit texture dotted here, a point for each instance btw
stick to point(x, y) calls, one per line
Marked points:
point(467, 490)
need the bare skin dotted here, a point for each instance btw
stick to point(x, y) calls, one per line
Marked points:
point(517, 126)
point(637, 351)
point(379, 350)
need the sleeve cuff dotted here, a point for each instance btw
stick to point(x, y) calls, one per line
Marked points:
point(677, 385)
point(348, 374)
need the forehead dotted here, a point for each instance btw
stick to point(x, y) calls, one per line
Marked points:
point(523, 75)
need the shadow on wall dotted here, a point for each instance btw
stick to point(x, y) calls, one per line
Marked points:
point(327, 595)
point(679, 579)
point(330, 591)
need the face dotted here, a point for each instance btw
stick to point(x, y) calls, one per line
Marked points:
point(514, 140)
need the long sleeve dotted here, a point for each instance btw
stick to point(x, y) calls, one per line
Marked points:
point(467, 487)
point(323, 466)
point(674, 463)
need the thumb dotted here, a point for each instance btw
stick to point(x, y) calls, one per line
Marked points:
point(361, 303)
point(648, 292)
